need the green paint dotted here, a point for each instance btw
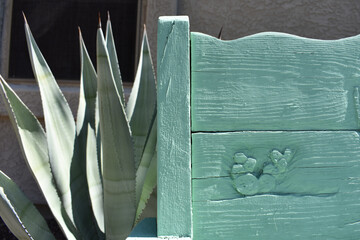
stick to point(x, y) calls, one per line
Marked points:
point(174, 149)
point(273, 81)
point(272, 217)
point(317, 190)
point(247, 181)
point(274, 151)
point(260, 184)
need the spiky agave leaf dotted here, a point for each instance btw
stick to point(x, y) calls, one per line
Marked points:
point(86, 126)
point(144, 109)
point(32, 140)
point(146, 172)
point(117, 151)
point(141, 106)
point(19, 214)
point(88, 90)
point(114, 62)
point(94, 179)
point(148, 186)
point(59, 122)
point(82, 208)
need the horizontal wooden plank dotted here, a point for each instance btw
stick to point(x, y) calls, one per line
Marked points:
point(279, 217)
point(274, 81)
point(308, 184)
point(213, 153)
point(272, 185)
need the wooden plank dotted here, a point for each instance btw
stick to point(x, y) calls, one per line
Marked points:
point(274, 81)
point(213, 153)
point(278, 217)
point(174, 149)
point(314, 195)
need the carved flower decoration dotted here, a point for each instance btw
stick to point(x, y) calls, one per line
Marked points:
point(248, 180)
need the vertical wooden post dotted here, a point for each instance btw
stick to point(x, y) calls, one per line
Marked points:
point(174, 149)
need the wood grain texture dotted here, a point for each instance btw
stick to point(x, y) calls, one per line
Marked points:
point(314, 196)
point(174, 149)
point(278, 217)
point(274, 81)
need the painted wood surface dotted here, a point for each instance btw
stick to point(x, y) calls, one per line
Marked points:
point(250, 181)
point(174, 149)
point(274, 81)
point(276, 185)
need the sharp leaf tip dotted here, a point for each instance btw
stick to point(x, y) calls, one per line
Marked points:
point(24, 17)
point(99, 25)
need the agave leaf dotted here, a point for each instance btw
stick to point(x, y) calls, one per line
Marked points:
point(32, 139)
point(117, 151)
point(83, 214)
point(88, 88)
point(59, 122)
point(148, 186)
point(98, 141)
point(94, 179)
point(142, 101)
point(19, 214)
point(97, 134)
point(82, 210)
point(110, 44)
point(146, 158)
point(86, 120)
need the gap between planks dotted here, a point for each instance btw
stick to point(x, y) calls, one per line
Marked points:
point(286, 130)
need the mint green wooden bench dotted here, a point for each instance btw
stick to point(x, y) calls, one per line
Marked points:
point(257, 137)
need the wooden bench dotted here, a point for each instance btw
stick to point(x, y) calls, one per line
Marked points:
point(257, 137)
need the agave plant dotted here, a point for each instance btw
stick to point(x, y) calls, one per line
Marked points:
point(96, 173)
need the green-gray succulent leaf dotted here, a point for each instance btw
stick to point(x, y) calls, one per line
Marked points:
point(59, 122)
point(148, 186)
point(19, 214)
point(86, 123)
point(110, 45)
point(141, 106)
point(88, 90)
point(94, 179)
point(142, 194)
point(32, 139)
point(117, 151)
